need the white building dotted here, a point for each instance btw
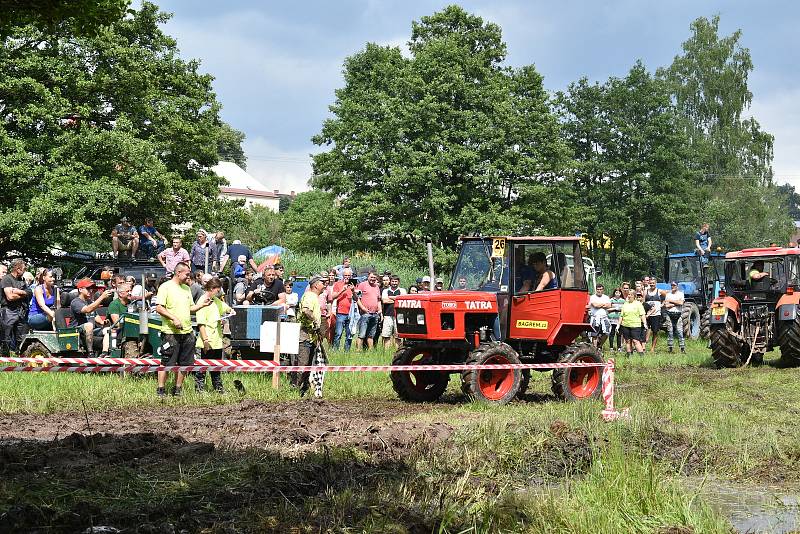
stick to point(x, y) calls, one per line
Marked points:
point(241, 185)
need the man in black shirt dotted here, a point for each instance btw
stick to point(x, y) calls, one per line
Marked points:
point(267, 290)
point(15, 298)
point(235, 250)
point(81, 308)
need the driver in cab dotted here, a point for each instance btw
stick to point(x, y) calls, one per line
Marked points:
point(537, 277)
point(759, 279)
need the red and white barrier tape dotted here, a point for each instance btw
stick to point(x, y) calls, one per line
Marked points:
point(135, 361)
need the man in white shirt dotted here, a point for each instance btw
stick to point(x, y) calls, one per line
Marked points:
point(599, 304)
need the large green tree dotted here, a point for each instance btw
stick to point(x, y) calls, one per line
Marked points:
point(631, 174)
point(736, 194)
point(439, 143)
point(95, 127)
point(79, 17)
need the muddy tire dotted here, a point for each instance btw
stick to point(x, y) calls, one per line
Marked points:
point(417, 386)
point(789, 341)
point(497, 386)
point(691, 321)
point(705, 324)
point(524, 383)
point(130, 349)
point(726, 348)
point(578, 382)
point(36, 350)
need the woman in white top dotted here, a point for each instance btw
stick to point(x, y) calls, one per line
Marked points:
point(291, 300)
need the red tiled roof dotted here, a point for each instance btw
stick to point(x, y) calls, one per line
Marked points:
point(247, 192)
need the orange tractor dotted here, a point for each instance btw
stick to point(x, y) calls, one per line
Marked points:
point(511, 300)
point(758, 310)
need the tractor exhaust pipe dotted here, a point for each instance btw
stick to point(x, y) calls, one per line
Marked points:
point(430, 265)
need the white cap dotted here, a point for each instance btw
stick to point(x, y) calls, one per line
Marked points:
point(426, 279)
point(439, 281)
point(236, 242)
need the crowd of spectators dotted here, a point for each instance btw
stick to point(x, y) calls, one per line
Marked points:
point(634, 316)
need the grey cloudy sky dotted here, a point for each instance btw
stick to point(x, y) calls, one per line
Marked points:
point(277, 64)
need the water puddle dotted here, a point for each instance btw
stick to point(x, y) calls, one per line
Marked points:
point(751, 508)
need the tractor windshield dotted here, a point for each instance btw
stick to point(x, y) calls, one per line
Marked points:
point(758, 274)
point(685, 269)
point(481, 267)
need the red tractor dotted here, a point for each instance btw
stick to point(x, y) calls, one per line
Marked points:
point(758, 309)
point(511, 300)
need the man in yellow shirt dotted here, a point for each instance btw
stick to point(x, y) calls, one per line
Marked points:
point(209, 323)
point(310, 317)
point(177, 339)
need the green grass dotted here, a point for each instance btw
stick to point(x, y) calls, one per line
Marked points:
point(537, 466)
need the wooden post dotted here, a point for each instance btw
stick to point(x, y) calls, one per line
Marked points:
point(276, 355)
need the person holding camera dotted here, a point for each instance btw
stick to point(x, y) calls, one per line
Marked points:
point(14, 300)
point(343, 293)
point(369, 304)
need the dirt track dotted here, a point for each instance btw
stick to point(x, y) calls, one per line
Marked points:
point(288, 427)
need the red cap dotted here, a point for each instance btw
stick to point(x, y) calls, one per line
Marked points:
point(84, 283)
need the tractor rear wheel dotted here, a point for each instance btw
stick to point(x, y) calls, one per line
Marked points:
point(726, 347)
point(417, 386)
point(492, 385)
point(705, 324)
point(573, 383)
point(789, 341)
point(691, 321)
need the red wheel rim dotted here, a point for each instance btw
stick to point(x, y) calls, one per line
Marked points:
point(495, 384)
point(583, 381)
point(420, 380)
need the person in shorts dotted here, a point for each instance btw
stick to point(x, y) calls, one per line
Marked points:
point(370, 308)
point(124, 237)
point(631, 317)
point(175, 306)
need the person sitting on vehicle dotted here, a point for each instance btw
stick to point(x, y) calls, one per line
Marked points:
point(758, 278)
point(240, 267)
point(116, 310)
point(83, 312)
point(702, 244)
point(152, 242)
point(544, 277)
point(241, 287)
point(267, 290)
point(42, 310)
point(124, 237)
point(462, 283)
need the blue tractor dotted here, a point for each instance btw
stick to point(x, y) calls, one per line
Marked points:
point(699, 285)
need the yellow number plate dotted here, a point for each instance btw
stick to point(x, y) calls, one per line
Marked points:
point(718, 311)
point(498, 248)
point(536, 325)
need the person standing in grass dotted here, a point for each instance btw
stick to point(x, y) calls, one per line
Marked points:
point(310, 351)
point(599, 304)
point(175, 306)
point(209, 324)
point(631, 317)
point(617, 301)
point(673, 302)
point(652, 298)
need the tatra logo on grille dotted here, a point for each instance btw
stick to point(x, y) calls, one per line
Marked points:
point(449, 305)
point(408, 304)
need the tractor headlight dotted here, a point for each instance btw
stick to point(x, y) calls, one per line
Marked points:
point(420, 318)
point(401, 318)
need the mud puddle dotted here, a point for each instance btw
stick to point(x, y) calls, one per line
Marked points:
point(752, 508)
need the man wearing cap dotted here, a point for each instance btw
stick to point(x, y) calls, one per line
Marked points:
point(239, 268)
point(175, 306)
point(310, 318)
point(173, 256)
point(83, 308)
point(124, 237)
point(426, 284)
point(439, 285)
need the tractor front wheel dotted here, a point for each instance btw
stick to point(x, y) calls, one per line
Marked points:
point(417, 386)
point(36, 350)
point(691, 321)
point(705, 324)
point(726, 347)
point(499, 386)
point(573, 383)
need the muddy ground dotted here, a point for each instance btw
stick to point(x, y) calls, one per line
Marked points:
point(288, 428)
